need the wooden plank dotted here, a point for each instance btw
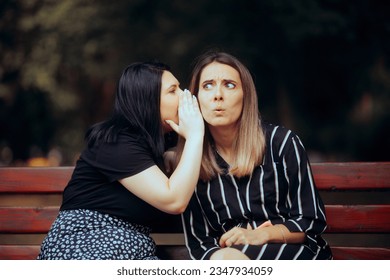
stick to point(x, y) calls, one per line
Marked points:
point(30, 252)
point(173, 252)
point(39, 220)
point(339, 253)
point(34, 179)
point(359, 176)
point(328, 176)
point(27, 219)
point(352, 175)
point(341, 219)
point(360, 253)
point(19, 252)
point(358, 218)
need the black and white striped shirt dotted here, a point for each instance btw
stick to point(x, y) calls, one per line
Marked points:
point(281, 190)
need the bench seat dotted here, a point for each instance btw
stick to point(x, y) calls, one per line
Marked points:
point(356, 196)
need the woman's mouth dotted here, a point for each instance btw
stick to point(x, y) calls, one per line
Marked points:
point(219, 111)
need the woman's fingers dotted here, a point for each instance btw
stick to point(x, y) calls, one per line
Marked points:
point(173, 125)
point(195, 104)
point(189, 102)
point(190, 118)
point(233, 236)
point(238, 235)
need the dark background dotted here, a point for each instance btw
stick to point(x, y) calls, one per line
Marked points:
point(321, 67)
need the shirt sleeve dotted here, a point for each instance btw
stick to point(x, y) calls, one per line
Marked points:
point(307, 211)
point(128, 156)
point(201, 240)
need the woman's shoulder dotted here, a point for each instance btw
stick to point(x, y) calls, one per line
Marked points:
point(130, 135)
point(126, 142)
point(279, 139)
point(277, 131)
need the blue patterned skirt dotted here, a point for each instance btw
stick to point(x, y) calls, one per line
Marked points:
point(90, 235)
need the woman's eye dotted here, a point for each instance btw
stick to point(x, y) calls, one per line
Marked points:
point(173, 90)
point(207, 86)
point(230, 85)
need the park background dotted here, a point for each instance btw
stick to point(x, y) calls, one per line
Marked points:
point(321, 67)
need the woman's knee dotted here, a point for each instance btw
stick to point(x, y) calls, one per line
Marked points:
point(228, 254)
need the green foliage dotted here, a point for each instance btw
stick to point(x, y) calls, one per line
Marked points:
point(321, 66)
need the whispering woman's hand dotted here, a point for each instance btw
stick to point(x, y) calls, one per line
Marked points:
point(191, 122)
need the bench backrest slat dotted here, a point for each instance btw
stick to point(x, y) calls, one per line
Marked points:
point(352, 175)
point(341, 219)
point(328, 176)
point(26, 219)
point(356, 253)
point(34, 180)
point(358, 218)
point(14, 252)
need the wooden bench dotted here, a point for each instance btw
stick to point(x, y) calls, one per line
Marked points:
point(356, 195)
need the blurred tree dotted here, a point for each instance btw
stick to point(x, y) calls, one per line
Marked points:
point(321, 66)
point(31, 129)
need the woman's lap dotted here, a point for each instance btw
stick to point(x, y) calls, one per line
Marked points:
point(86, 234)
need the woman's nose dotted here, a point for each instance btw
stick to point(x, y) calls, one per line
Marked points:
point(218, 94)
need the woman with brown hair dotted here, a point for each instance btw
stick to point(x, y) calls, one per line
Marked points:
point(256, 198)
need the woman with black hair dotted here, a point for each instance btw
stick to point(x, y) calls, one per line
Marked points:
point(119, 189)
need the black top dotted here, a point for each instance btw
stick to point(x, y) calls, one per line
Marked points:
point(94, 184)
point(281, 190)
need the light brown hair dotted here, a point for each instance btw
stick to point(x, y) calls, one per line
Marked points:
point(250, 142)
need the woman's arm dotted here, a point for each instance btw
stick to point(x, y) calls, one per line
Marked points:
point(201, 239)
point(172, 194)
point(265, 233)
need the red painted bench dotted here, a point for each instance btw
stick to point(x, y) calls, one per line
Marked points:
point(356, 195)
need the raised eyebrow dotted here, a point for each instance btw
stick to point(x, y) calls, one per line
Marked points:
point(230, 81)
point(207, 82)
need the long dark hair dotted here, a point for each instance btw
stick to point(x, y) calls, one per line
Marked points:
point(136, 107)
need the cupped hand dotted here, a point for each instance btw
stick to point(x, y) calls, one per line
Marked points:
point(191, 122)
